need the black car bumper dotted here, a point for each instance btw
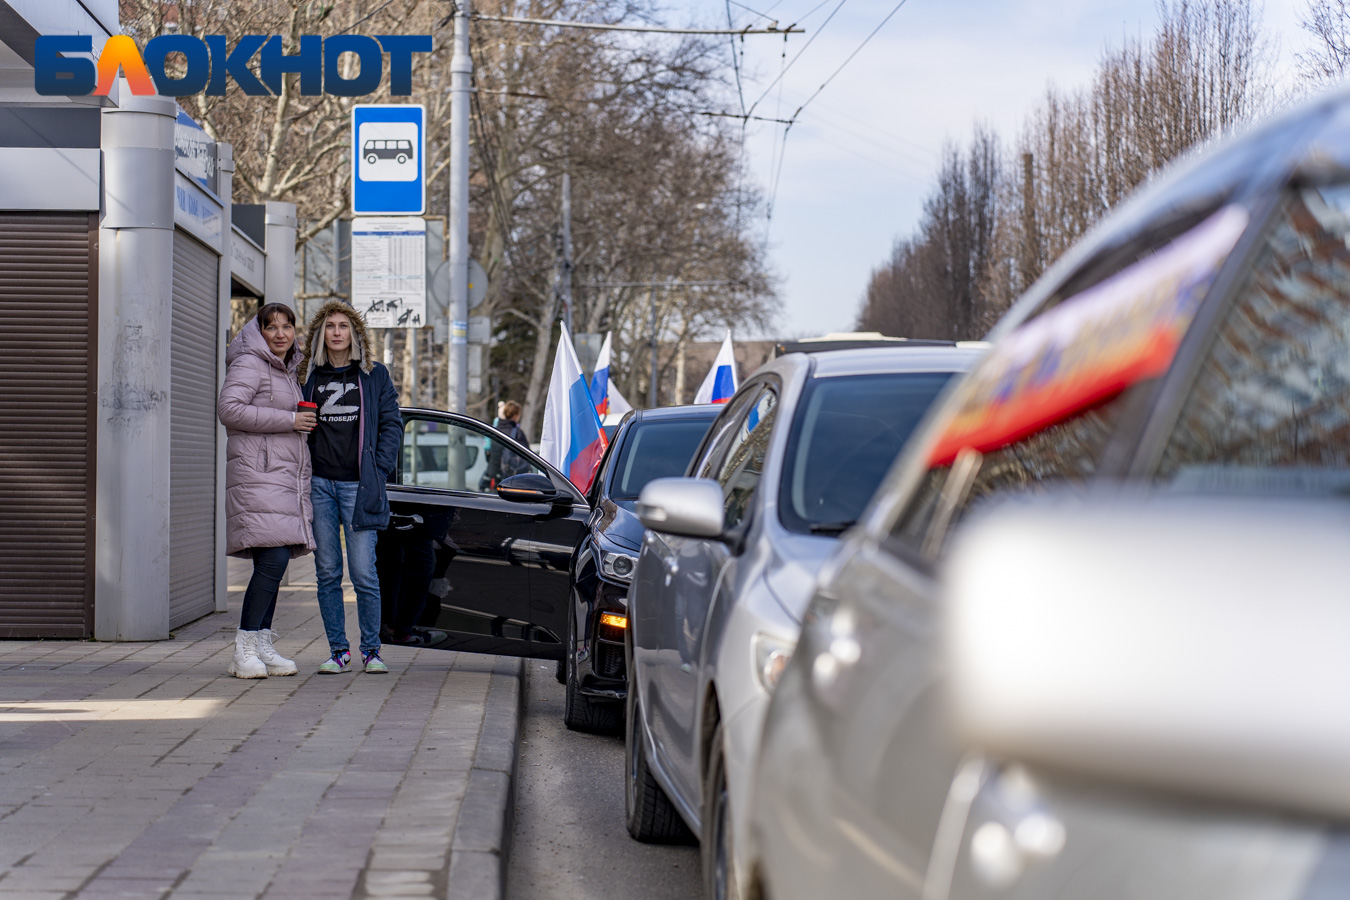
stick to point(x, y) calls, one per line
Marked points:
point(601, 671)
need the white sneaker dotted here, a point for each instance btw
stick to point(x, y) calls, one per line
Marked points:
point(275, 662)
point(246, 663)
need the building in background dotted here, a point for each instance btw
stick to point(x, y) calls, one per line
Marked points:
point(118, 259)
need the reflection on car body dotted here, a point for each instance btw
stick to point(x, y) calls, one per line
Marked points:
point(647, 444)
point(483, 570)
point(1250, 399)
point(725, 572)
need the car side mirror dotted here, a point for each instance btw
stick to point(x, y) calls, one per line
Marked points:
point(1184, 643)
point(528, 487)
point(688, 507)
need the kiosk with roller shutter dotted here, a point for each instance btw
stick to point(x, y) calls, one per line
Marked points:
point(118, 259)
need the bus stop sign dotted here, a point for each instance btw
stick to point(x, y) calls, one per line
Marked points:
point(388, 168)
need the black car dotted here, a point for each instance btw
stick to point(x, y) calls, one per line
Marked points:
point(466, 566)
point(652, 443)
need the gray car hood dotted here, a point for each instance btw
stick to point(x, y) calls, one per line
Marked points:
point(794, 562)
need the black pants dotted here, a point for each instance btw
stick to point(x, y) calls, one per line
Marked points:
point(260, 600)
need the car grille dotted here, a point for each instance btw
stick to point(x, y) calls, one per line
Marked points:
point(608, 661)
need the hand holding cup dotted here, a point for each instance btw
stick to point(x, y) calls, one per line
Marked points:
point(306, 416)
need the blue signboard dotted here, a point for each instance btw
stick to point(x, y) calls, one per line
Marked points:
point(388, 174)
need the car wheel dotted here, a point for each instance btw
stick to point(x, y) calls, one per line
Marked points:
point(402, 159)
point(581, 713)
point(651, 817)
point(372, 159)
point(560, 672)
point(718, 860)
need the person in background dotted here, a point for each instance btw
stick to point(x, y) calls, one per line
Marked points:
point(267, 476)
point(503, 462)
point(355, 449)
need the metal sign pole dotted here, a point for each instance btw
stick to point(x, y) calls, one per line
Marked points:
point(457, 356)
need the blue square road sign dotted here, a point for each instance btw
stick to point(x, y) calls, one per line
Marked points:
point(388, 150)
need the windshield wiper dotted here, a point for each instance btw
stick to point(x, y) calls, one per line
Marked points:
point(831, 527)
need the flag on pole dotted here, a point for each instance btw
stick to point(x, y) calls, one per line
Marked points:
point(721, 382)
point(605, 395)
point(618, 403)
point(572, 439)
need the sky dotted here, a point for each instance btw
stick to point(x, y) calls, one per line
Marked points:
point(864, 153)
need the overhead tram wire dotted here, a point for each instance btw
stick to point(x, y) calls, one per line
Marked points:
point(649, 29)
point(809, 42)
point(727, 115)
point(740, 92)
point(826, 82)
point(762, 15)
point(487, 150)
point(773, 194)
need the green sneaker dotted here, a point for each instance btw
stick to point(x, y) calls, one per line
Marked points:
point(373, 664)
point(336, 664)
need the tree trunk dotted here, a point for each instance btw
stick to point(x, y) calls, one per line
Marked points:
point(539, 370)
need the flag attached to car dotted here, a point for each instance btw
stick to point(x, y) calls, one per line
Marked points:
point(572, 439)
point(721, 382)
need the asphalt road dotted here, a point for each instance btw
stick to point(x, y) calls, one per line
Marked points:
point(569, 838)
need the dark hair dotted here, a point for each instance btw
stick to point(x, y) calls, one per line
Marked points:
point(274, 309)
point(511, 410)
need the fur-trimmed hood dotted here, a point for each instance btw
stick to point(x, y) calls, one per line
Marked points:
point(250, 342)
point(316, 352)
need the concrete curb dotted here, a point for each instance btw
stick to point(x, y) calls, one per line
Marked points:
point(480, 847)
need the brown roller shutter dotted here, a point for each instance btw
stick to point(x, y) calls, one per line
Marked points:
point(192, 444)
point(48, 313)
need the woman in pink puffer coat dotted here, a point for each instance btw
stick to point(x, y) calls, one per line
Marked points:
point(267, 470)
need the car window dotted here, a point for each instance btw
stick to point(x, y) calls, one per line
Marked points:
point(438, 453)
point(654, 450)
point(1269, 411)
point(743, 465)
point(724, 430)
point(846, 432)
point(1042, 406)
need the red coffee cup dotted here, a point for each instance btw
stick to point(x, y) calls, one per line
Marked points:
point(306, 406)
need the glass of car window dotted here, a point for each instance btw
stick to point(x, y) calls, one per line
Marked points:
point(1268, 411)
point(847, 431)
point(654, 450)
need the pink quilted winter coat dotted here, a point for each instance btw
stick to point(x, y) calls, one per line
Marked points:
point(267, 467)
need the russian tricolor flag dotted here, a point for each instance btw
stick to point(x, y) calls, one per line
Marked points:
point(605, 395)
point(572, 439)
point(721, 382)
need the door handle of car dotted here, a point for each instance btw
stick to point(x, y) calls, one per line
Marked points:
point(404, 523)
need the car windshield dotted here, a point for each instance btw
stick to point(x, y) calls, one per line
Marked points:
point(847, 432)
point(654, 450)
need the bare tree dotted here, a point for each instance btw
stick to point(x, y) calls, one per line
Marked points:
point(995, 220)
point(656, 192)
point(1328, 62)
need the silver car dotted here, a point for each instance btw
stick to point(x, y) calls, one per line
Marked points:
point(1148, 694)
point(726, 568)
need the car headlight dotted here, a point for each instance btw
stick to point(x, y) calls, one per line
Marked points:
point(772, 654)
point(618, 566)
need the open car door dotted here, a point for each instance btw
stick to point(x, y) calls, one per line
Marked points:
point(461, 566)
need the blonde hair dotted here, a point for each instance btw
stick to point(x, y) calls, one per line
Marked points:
point(511, 410)
point(321, 351)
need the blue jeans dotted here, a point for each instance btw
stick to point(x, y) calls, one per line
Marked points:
point(334, 502)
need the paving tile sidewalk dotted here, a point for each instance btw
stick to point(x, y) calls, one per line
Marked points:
point(143, 770)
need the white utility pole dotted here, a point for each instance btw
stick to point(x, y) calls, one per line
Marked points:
point(457, 356)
